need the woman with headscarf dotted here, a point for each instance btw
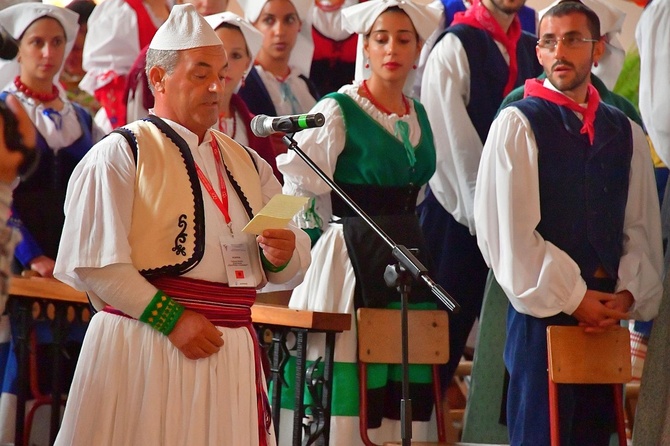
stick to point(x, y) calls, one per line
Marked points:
point(378, 146)
point(278, 84)
point(242, 42)
point(65, 132)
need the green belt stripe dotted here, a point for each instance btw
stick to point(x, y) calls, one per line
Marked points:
point(345, 383)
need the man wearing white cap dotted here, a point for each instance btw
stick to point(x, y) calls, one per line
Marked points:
point(482, 56)
point(152, 217)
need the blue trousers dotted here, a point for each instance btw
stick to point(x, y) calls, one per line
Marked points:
point(458, 266)
point(586, 412)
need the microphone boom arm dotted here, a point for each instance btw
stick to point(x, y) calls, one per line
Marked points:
point(405, 258)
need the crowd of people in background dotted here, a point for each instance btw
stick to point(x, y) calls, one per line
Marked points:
point(493, 138)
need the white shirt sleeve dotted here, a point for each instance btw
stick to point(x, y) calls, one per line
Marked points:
point(539, 278)
point(323, 145)
point(98, 211)
point(641, 267)
point(653, 41)
point(112, 43)
point(302, 257)
point(445, 94)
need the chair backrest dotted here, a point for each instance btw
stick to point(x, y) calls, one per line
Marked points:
point(379, 336)
point(578, 357)
point(380, 341)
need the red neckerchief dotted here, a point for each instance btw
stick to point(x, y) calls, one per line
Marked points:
point(535, 88)
point(480, 17)
point(145, 26)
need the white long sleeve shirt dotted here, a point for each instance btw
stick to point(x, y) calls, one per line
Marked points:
point(653, 42)
point(537, 276)
point(445, 94)
point(112, 43)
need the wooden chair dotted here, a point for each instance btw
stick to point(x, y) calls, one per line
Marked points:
point(577, 357)
point(379, 341)
point(632, 394)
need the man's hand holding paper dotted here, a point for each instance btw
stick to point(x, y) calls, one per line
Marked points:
point(276, 242)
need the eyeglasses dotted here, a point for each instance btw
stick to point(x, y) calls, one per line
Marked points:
point(550, 43)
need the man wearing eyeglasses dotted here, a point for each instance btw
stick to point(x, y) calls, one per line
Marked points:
point(567, 217)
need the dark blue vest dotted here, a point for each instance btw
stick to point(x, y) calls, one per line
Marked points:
point(489, 71)
point(526, 15)
point(38, 201)
point(583, 188)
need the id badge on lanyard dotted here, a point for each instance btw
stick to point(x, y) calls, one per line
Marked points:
point(235, 249)
point(237, 259)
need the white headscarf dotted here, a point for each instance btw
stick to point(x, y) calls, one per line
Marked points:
point(611, 23)
point(17, 18)
point(360, 18)
point(184, 29)
point(252, 37)
point(301, 56)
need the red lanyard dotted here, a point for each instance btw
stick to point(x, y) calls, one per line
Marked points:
point(221, 203)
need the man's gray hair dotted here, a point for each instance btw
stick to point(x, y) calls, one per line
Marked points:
point(166, 59)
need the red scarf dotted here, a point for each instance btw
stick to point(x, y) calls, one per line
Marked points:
point(146, 28)
point(480, 17)
point(535, 88)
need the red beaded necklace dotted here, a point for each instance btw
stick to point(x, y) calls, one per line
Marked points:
point(376, 103)
point(42, 97)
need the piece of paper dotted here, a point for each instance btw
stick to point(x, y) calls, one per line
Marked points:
point(276, 214)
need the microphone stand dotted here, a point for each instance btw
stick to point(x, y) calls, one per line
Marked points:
point(400, 274)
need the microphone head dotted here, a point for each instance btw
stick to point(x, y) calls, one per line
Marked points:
point(258, 126)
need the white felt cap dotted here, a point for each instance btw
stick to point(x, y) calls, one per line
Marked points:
point(184, 29)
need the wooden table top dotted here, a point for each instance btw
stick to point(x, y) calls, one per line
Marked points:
point(267, 310)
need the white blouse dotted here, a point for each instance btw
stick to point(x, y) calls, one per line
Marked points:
point(60, 128)
point(324, 145)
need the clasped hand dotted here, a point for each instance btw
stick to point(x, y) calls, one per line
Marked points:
point(599, 311)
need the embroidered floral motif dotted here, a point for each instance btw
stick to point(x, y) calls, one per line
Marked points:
point(179, 248)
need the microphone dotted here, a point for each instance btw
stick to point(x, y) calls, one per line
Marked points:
point(262, 125)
